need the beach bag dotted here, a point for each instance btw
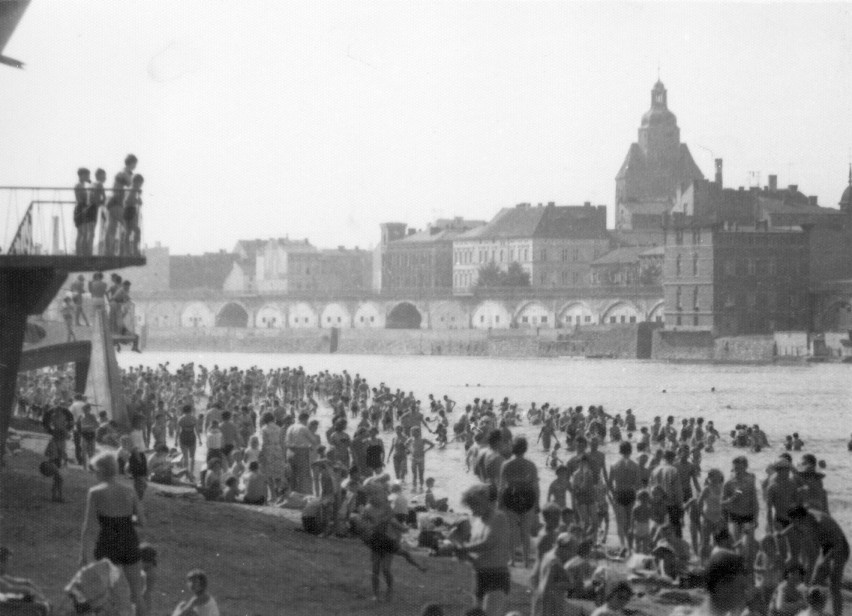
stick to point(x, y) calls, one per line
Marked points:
point(100, 588)
point(519, 498)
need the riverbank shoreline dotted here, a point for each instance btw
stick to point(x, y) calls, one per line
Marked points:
point(595, 342)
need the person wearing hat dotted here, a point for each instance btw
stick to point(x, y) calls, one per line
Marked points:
point(548, 598)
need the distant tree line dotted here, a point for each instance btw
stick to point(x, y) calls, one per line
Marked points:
point(490, 276)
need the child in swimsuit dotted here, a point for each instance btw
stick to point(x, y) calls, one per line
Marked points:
point(642, 522)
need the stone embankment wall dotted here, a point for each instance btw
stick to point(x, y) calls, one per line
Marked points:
point(752, 349)
point(682, 346)
point(619, 341)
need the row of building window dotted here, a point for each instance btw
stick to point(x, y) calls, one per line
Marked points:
point(465, 256)
point(696, 236)
point(494, 255)
point(751, 300)
point(409, 260)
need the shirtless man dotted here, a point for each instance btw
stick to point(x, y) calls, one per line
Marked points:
point(782, 495)
point(824, 531)
point(115, 205)
point(519, 495)
point(625, 480)
point(81, 195)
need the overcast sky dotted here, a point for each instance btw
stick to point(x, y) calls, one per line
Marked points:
point(263, 119)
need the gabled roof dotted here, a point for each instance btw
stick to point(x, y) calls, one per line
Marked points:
point(550, 222)
point(249, 247)
point(629, 254)
point(510, 222)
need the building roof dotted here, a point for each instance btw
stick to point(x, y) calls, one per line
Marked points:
point(629, 254)
point(551, 222)
point(207, 271)
point(775, 206)
point(442, 230)
point(249, 248)
point(656, 251)
point(637, 237)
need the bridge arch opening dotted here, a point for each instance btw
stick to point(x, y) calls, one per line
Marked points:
point(658, 313)
point(232, 315)
point(404, 316)
point(621, 312)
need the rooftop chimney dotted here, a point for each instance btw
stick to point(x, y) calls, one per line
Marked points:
point(551, 203)
point(718, 162)
point(793, 188)
point(587, 204)
point(773, 182)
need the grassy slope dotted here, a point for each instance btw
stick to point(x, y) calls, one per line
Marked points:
point(257, 563)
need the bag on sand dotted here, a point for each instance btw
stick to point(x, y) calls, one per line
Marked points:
point(100, 588)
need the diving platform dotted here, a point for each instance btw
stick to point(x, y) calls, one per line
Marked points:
point(40, 255)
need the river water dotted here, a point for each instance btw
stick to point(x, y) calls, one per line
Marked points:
point(813, 400)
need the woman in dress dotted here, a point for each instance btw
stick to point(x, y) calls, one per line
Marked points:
point(114, 507)
point(273, 463)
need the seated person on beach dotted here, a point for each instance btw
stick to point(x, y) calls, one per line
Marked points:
point(162, 467)
point(107, 431)
point(229, 495)
point(211, 486)
point(398, 503)
point(200, 603)
point(617, 596)
point(788, 599)
point(671, 552)
point(432, 503)
point(254, 484)
point(21, 589)
point(580, 570)
point(817, 597)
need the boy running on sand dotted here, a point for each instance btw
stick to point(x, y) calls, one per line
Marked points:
point(383, 534)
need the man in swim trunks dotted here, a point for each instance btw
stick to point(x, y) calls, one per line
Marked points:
point(739, 501)
point(625, 480)
point(782, 495)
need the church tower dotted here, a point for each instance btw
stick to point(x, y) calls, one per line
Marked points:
point(653, 169)
point(846, 199)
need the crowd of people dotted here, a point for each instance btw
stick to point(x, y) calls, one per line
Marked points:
point(113, 299)
point(108, 224)
point(677, 524)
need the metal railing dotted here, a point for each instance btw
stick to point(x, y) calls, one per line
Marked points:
point(46, 221)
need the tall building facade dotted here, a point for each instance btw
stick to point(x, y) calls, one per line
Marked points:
point(653, 169)
point(421, 262)
point(736, 280)
point(554, 245)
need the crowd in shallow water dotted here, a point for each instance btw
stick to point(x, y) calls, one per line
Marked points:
point(675, 522)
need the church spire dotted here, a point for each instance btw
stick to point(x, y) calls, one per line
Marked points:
point(659, 96)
